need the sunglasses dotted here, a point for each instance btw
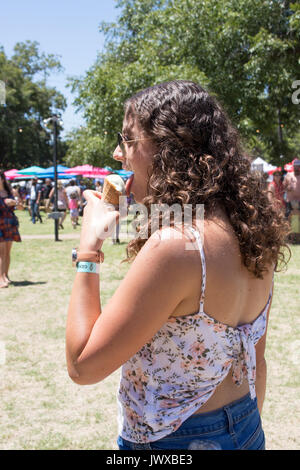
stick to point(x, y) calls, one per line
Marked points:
point(121, 141)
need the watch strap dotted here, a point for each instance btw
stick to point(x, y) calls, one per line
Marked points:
point(90, 256)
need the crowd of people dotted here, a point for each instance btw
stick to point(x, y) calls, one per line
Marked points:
point(284, 192)
point(36, 195)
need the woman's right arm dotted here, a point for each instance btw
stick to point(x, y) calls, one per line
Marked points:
point(98, 342)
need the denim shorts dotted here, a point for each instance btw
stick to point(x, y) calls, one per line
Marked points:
point(236, 426)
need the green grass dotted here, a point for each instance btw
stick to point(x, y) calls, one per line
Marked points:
point(45, 228)
point(41, 408)
point(27, 228)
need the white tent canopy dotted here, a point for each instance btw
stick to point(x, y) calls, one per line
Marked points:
point(261, 165)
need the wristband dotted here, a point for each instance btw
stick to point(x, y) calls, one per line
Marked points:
point(87, 267)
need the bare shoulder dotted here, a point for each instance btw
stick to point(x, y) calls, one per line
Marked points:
point(167, 253)
point(171, 242)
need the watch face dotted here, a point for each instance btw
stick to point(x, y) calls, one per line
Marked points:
point(74, 255)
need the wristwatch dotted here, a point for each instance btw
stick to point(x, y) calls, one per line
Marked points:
point(91, 256)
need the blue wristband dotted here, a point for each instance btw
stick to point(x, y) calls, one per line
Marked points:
point(87, 267)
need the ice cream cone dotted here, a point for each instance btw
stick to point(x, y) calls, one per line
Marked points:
point(110, 193)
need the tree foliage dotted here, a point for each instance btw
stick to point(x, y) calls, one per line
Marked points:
point(246, 52)
point(23, 139)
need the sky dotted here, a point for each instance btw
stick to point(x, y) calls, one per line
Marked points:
point(67, 28)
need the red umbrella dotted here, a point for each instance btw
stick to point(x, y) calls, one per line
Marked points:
point(289, 166)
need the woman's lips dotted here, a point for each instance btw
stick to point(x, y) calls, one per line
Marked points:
point(128, 185)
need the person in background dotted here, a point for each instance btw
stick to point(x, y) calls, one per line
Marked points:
point(188, 322)
point(9, 232)
point(72, 186)
point(18, 196)
point(23, 192)
point(83, 184)
point(291, 184)
point(98, 187)
point(73, 206)
point(62, 201)
point(35, 198)
point(276, 190)
point(74, 193)
point(115, 237)
point(47, 190)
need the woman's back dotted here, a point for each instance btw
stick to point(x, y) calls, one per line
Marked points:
point(181, 370)
point(233, 296)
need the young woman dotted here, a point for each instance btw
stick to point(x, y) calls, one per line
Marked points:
point(188, 326)
point(73, 206)
point(8, 228)
point(276, 190)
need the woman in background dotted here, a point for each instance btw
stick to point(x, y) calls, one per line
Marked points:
point(8, 228)
point(276, 190)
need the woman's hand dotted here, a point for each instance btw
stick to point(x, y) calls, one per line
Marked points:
point(99, 222)
point(10, 202)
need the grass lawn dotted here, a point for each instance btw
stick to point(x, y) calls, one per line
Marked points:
point(41, 408)
point(45, 228)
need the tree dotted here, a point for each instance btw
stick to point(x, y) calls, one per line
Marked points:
point(246, 52)
point(23, 139)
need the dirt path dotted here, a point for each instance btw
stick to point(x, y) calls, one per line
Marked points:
point(63, 236)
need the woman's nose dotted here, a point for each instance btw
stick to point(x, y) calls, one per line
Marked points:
point(118, 154)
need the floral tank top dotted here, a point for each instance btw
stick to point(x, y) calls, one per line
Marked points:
point(176, 372)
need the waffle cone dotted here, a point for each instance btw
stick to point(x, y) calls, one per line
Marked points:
point(110, 193)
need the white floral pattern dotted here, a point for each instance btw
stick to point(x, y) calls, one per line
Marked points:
point(174, 374)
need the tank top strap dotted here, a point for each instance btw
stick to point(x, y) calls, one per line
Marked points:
point(202, 256)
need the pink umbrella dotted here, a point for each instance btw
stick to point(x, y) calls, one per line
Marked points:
point(11, 174)
point(88, 170)
point(97, 173)
point(79, 170)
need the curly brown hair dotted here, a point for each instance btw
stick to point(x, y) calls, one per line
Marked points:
point(199, 160)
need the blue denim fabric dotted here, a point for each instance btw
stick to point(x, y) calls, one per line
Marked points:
point(34, 210)
point(236, 426)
